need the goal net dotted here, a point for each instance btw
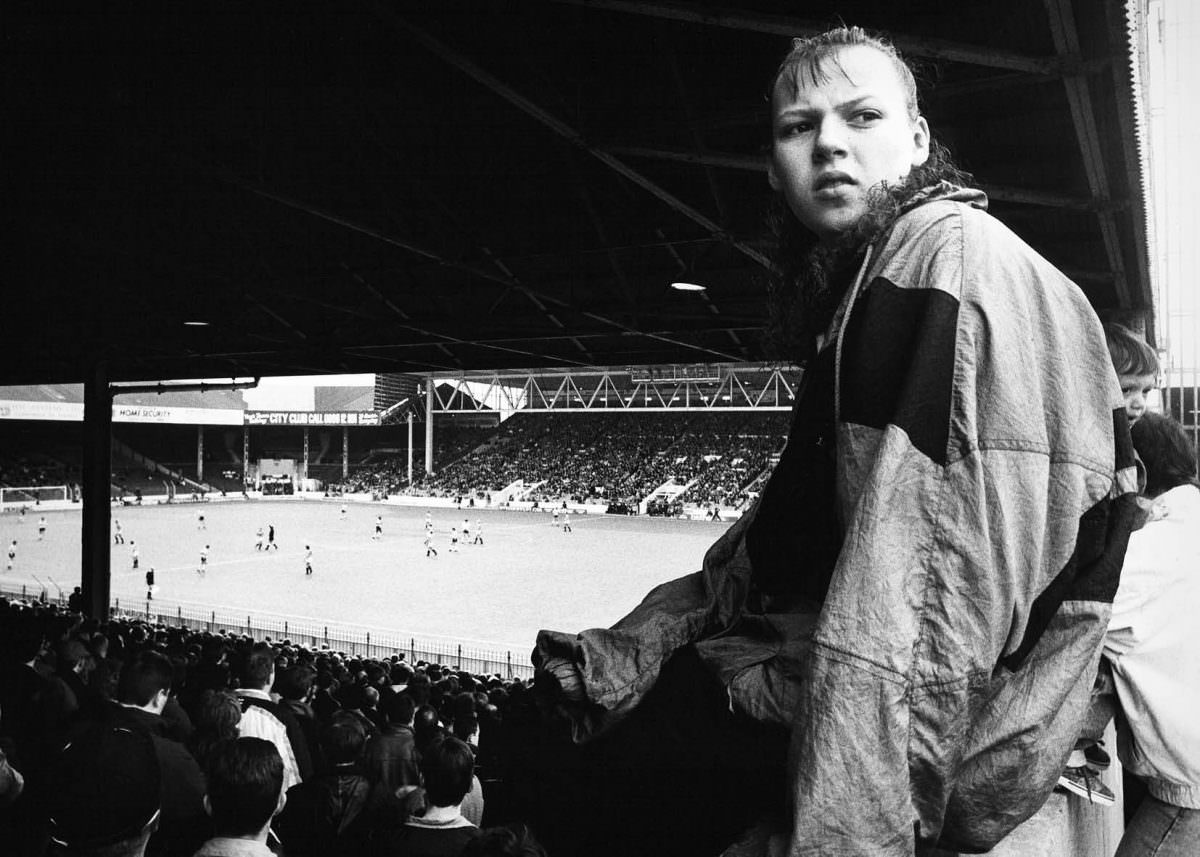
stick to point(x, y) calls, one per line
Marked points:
point(14, 498)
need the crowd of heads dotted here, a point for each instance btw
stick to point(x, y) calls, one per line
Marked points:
point(607, 458)
point(104, 720)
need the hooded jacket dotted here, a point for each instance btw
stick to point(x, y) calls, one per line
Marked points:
point(921, 592)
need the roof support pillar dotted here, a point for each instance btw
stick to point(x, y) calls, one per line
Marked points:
point(429, 424)
point(97, 468)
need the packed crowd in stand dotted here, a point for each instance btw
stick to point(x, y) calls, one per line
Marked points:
point(600, 457)
point(30, 471)
point(603, 458)
point(374, 756)
point(390, 474)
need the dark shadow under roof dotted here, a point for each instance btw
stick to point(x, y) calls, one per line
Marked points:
point(391, 187)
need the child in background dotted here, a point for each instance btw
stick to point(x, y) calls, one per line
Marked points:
point(1137, 368)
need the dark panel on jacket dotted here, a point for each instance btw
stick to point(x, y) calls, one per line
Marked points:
point(794, 538)
point(1093, 571)
point(898, 363)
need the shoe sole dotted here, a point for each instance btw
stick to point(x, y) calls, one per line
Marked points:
point(1087, 794)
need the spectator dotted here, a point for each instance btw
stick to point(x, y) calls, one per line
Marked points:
point(141, 697)
point(11, 781)
point(447, 765)
point(325, 815)
point(354, 700)
point(324, 704)
point(263, 718)
point(390, 760)
point(295, 687)
point(1152, 645)
point(245, 791)
point(370, 707)
point(217, 720)
point(893, 603)
point(105, 793)
point(426, 726)
point(35, 706)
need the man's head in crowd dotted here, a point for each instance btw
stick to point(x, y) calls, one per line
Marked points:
point(257, 669)
point(295, 683)
point(104, 794)
point(426, 724)
point(1136, 365)
point(146, 681)
point(1167, 451)
point(343, 741)
point(401, 674)
point(218, 713)
point(399, 708)
point(245, 788)
point(447, 767)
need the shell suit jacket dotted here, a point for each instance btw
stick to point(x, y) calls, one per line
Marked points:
point(922, 590)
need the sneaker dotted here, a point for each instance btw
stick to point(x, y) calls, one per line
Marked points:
point(1085, 782)
point(1097, 757)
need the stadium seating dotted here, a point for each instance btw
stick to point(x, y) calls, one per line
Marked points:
point(620, 457)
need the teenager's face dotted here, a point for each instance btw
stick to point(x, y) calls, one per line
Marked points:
point(1136, 389)
point(835, 140)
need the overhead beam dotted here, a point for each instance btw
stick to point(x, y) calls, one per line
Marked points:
point(483, 273)
point(515, 281)
point(441, 339)
point(786, 25)
point(1066, 42)
point(300, 334)
point(562, 337)
point(758, 164)
point(567, 132)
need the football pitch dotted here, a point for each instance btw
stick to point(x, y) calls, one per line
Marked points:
point(528, 574)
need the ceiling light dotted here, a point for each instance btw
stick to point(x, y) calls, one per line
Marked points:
point(688, 287)
point(195, 324)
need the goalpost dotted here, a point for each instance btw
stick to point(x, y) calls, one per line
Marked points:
point(12, 499)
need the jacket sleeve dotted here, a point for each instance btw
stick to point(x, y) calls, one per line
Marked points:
point(619, 665)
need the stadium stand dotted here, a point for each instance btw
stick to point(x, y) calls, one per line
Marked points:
point(618, 457)
point(39, 453)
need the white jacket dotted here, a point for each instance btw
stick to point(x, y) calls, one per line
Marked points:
point(1153, 643)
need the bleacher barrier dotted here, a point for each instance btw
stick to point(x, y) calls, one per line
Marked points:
point(357, 642)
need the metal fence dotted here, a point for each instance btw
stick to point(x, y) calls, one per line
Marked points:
point(358, 642)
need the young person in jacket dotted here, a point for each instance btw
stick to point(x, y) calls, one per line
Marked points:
point(920, 594)
point(1154, 651)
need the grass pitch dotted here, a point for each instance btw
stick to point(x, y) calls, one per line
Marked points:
point(527, 575)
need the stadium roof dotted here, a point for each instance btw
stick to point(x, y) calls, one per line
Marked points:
point(74, 394)
point(391, 187)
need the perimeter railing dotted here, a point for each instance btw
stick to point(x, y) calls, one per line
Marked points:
point(474, 658)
